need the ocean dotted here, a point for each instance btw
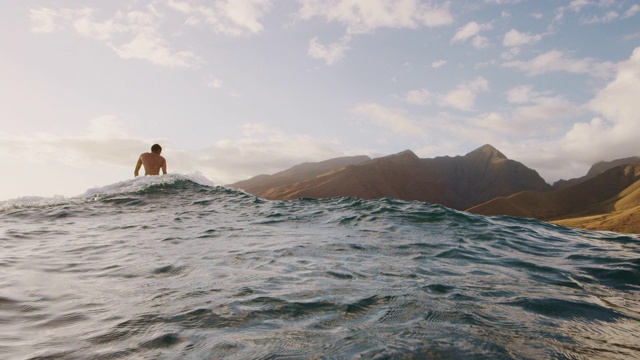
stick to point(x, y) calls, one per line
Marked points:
point(173, 267)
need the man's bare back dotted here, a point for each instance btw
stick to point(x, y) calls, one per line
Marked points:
point(152, 162)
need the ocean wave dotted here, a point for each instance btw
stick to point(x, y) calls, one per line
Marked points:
point(129, 186)
point(175, 267)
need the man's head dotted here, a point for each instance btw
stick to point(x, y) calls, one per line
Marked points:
point(156, 148)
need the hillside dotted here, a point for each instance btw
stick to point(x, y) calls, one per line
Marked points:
point(608, 201)
point(484, 174)
point(262, 183)
point(458, 182)
point(595, 170)
point(399, 176)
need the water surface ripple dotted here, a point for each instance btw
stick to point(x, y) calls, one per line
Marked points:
point(174, 269)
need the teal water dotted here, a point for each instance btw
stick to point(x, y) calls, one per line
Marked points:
point(170, 267)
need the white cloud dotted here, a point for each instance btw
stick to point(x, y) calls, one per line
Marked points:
point(395, 120)
point(365, 16)
point(545, 111)
point(495, 122)
point(577, 5)
point(467, 31)
point(106, 143)
point(329, 53)
point(471, 31)
point(618, 102)
point(138, 34)
point(611, 134)
point(418, 97)
point(521, 95)
point(480, 42)
point(438, 64)
point(464, 96)
point(228, 17)
point(634, 9)
point(261, 150)
point(154, 49)
point(606, 18)
point(555, 60)
point(535, 114)
point(43, 20)
point(132, 35)
point(461, 99)
point(515, 38)
point(214, 83)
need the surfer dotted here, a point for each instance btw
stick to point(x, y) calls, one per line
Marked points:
point(152, 162)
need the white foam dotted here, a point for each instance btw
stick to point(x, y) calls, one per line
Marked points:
point(34, 201)
point(122, 187)
point(143, 182)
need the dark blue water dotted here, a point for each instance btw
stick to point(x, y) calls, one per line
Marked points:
point(166, 268)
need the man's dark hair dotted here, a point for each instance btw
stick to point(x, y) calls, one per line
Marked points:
point(156, 148)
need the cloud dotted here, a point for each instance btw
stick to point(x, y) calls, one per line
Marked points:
point(555, 60)
point(467, 31)
point(214, 83)
point(471, 31)
point(365, 16)
point(599, 14)
point(329, 53)
point(132, 35)
point(577, 5)
point(438, 64)
point(154, 49)
point(515, 38)
point(634, 9)
point(464, 96)
point(535, 114)
point(43, 20)
point(228, 17)
point(521, 94)
point(419, 97)
point(262, 150)
point(611, 134)
point(106, 143)
point(395, 120)
point(544, 112)
point(138, 33)
point(618, 101)
point(606, 18)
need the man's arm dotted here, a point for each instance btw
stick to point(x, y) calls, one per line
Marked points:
point(164, 166)
point(138, 165)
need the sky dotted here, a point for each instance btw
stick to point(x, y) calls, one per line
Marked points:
point(235, 88)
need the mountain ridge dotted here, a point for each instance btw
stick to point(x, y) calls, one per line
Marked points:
point(458, 182)
point(595, 170)
point(608, 201)
point(481, 179)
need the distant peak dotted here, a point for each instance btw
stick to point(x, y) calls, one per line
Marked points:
point(403, 156)
point(487, 151)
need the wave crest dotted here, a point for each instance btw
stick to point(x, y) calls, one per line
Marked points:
point(135, 185)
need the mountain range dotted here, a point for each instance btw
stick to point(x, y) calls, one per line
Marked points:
point(483, 181)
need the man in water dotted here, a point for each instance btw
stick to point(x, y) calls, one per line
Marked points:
point(152, 162)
